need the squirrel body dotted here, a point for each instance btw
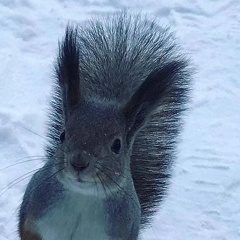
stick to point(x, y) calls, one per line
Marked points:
point(67, 214)
point(121, 87)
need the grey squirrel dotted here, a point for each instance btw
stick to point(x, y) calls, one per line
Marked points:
point(121, 87)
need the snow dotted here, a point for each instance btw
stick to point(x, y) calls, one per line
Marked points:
point(203, 201)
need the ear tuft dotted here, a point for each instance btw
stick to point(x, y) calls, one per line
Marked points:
point(67, 70)
point(151, 93)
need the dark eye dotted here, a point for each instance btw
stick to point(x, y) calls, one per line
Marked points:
point(116, 146)
point(62, 137)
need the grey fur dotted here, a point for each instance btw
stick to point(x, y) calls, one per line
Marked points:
point(119, 58)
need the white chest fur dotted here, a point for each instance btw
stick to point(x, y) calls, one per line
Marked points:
point(75, 218)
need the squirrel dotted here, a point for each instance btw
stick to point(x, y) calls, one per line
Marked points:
point(121, 87)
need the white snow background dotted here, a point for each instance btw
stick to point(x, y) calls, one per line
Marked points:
point(204, 198)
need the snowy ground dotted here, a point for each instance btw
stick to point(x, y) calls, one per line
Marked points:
point(204, 199)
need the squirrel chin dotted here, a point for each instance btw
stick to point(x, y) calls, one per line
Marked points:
point(91, 187)
point(78, 185)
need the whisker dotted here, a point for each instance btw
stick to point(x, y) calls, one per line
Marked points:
point(36, 188)
point(39, 135)
point(23, 177)
point(29, 130)
point(40, 158)
point(95, 182)
point(100, 179)
point(16, 181)
point(46, 179)
point(25, 161)
point(105, 183)
point(97, 200)
point(126, 193)
point(110, 170)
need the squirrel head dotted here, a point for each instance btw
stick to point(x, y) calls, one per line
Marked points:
point(98, 135)
point(93, 148)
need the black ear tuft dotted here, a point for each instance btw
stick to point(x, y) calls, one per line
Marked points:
point(151, 93)
point(67, 70)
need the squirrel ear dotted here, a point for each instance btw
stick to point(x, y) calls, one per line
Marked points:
point(149, 96)
point(67, 71)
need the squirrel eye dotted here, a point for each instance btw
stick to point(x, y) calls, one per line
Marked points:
point(62, 137)
point(116, 146)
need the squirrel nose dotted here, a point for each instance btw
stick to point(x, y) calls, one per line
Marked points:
point(79, 166)
point(79, 163)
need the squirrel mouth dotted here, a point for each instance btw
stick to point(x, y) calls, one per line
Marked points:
point(79, 180)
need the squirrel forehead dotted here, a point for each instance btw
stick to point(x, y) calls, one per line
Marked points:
point(95, 119)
